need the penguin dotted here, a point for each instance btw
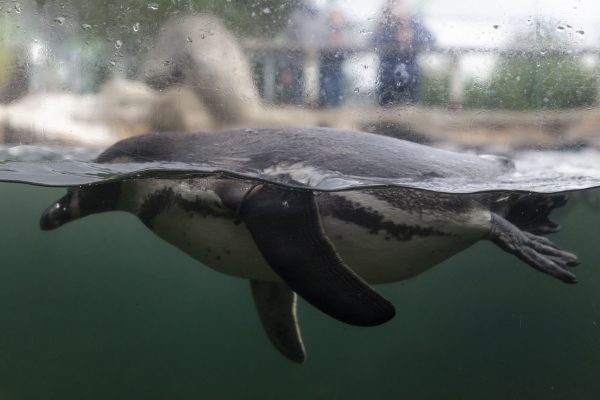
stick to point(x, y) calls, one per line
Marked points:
point(260, 217)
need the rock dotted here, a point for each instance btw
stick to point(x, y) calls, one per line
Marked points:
point(199, 52)
point(121, 109)
point(14, 81)
point(586, 130)
point(179, 109)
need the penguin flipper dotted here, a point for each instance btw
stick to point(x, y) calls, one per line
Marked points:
point(537, 251)
point(286, 227)
point(276, 306)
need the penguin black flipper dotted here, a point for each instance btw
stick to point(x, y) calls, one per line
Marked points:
point(537, 251)
point(276, 305)
point(286, 227)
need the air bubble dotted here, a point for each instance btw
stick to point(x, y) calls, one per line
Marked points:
point(136, 27)
point(118, 44)
point(60, 20)
point(86, 27)
point(153, 6)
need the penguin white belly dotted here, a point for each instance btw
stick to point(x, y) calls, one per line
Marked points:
point(380, 257)
point(216, 242)
point(229, 248)
point(380, 260)
point(214, 239)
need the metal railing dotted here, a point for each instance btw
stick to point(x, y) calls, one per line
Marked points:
point(269, 55)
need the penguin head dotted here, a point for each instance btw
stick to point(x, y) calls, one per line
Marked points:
point(79, 202)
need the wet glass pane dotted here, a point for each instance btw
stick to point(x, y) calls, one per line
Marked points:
point(319, 199)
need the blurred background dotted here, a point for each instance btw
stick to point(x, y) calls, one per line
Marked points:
point(518, 74)
point(103, 309)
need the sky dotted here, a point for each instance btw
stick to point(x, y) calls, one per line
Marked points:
point(480, 24)
point(488, 23)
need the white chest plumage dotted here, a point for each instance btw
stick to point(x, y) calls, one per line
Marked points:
point(214, 238)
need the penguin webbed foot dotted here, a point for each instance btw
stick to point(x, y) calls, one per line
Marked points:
point(276, 306)
point(531, 212)
point(537, 251)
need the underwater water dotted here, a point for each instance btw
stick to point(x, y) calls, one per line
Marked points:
point(102, 308)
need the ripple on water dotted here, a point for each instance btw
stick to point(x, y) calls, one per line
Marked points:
point(537, 171)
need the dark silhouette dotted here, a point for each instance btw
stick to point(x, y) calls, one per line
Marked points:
point(306, 29)
point(314, 32)
point(399, 37)
point(331, 76)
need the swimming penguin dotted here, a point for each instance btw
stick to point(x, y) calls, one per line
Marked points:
point(325, 246)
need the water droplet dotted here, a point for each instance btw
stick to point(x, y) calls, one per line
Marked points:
point(580, 32)
point(118, 44)
point(18, 8)
point(136, 27)
point(266, 10)
point(153, 6)
point(60, 20)
point(86, 27)
point(495, 26)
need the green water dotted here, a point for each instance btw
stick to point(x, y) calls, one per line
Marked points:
point(102, 309)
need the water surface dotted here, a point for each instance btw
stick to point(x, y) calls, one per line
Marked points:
point(536, 171)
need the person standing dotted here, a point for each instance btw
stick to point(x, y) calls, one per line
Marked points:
point(305, 30)
point(331, 75)
point(399, 37)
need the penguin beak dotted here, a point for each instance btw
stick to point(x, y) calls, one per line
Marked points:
point(58, 214)
point(80, 202)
